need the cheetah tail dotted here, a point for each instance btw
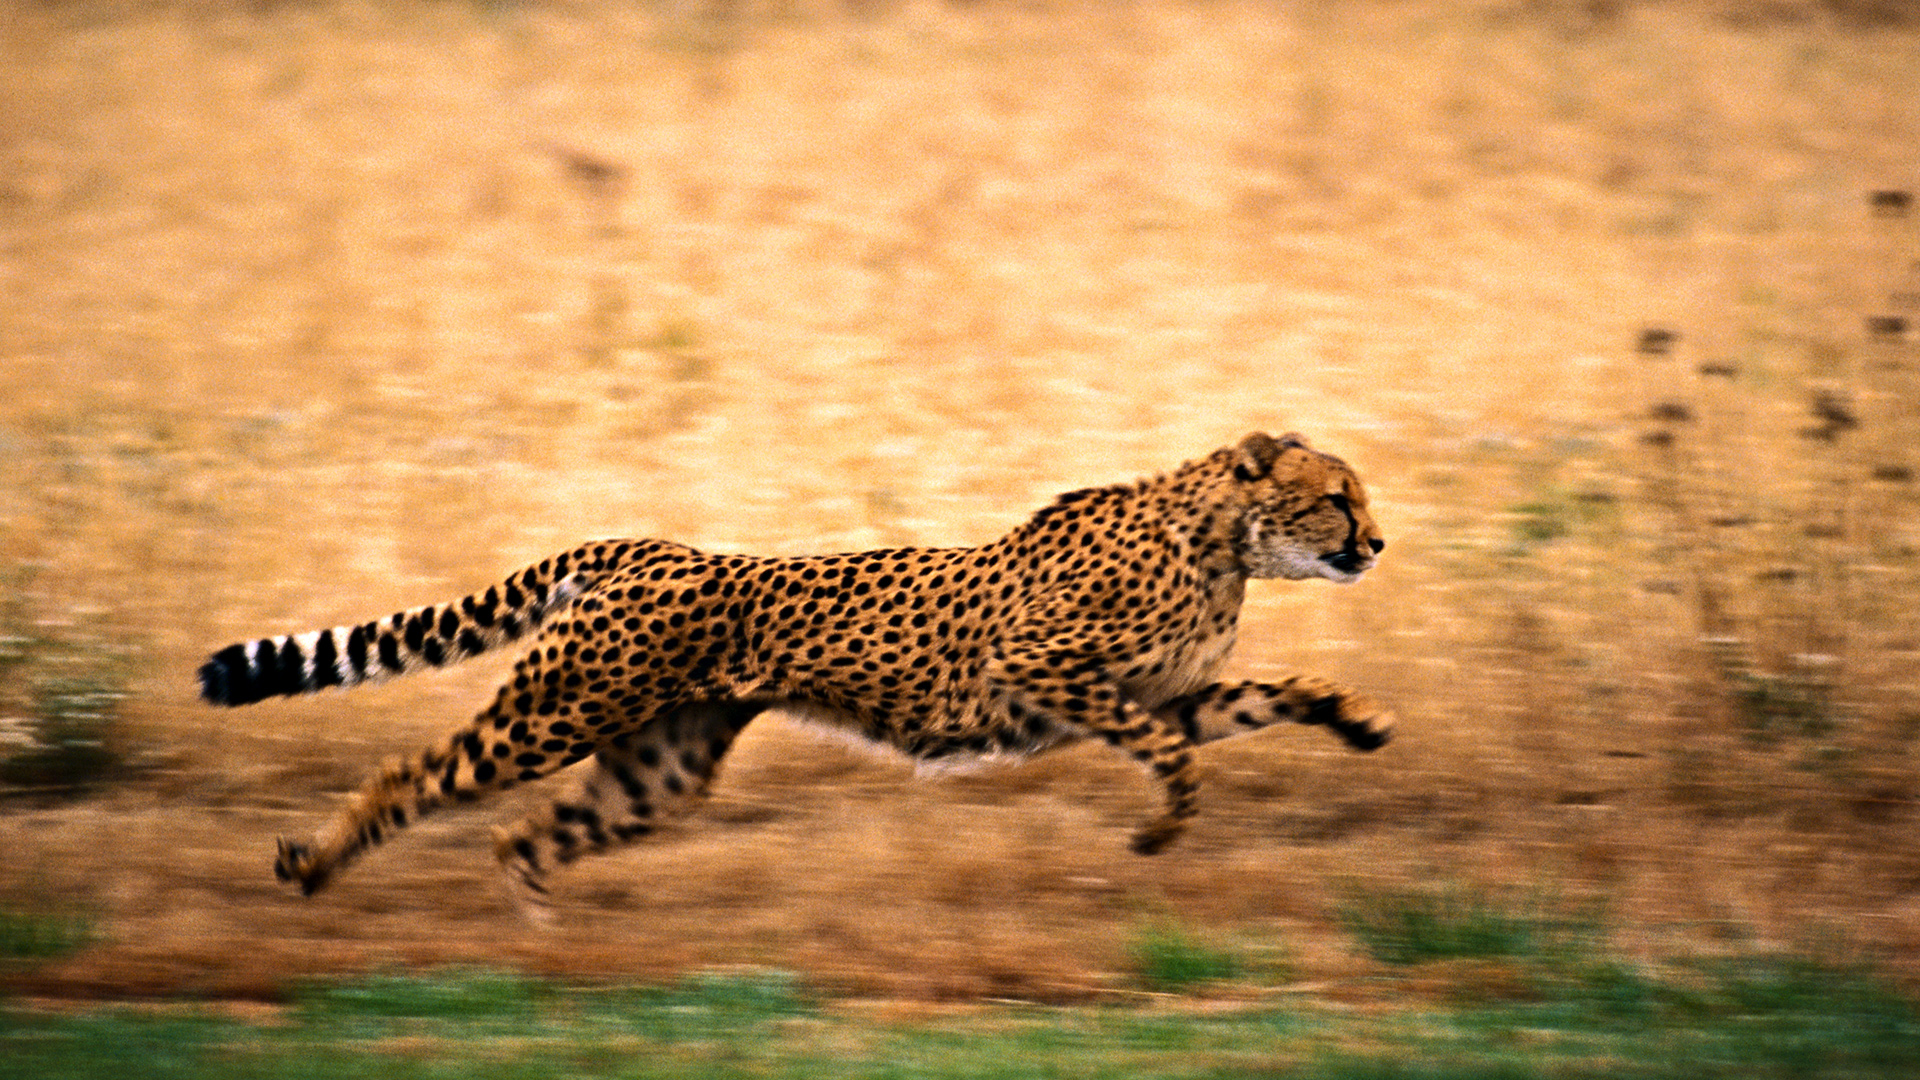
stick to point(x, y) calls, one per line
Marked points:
point(406, 641)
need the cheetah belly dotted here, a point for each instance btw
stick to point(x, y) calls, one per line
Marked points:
point(837, 725)
point(841, 726)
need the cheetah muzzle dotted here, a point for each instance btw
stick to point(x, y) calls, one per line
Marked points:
point(1107, 614)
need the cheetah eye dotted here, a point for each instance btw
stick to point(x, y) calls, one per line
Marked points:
point(1339, 502)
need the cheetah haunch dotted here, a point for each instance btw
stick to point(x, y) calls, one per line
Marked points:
point(1107, 614)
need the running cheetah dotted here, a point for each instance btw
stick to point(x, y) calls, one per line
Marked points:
point(1106, 614)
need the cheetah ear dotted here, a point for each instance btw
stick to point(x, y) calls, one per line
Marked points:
point(1253, 458)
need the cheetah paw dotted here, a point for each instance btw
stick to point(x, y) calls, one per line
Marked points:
point(297, 865)
point(1355, 718)
point(1154, 838)
point(524, 885)
point(1369, 731)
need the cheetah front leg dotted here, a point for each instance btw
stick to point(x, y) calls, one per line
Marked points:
point(1093, 703)
point(1224, 710)
point(635, 780)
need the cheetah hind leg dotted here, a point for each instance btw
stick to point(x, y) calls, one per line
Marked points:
point(405, 790)
point(464, 768)
point(635, 781)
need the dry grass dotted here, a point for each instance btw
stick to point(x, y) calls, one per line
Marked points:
point(313, 311)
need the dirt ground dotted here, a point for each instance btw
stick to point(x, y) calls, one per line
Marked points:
point(314, 311)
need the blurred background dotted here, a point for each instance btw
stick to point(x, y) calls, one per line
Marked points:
point(311, 311)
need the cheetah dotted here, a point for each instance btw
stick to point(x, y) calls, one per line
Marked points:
point(1106, 615)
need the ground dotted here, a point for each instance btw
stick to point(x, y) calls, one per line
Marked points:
point(314, 312)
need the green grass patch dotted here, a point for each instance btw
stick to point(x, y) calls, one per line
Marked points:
point(60, 701)
point(480, 1001)
point(1760, 1018)
point(1453, 921)
point(27, 936)
point(1166, 957)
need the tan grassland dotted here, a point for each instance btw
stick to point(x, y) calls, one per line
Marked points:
point(314, 310)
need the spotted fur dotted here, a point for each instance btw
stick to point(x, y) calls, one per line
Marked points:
point(1106, 614)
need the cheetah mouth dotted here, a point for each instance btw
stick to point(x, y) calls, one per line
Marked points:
point(1344, 566)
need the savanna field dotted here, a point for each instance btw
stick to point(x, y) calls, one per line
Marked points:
point(310, 312)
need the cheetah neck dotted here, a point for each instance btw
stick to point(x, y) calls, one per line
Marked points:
point(1211, 529)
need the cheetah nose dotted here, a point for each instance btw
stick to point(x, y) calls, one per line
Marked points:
point(1378, 545)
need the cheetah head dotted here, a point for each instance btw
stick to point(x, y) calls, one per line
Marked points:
point(1305, 512)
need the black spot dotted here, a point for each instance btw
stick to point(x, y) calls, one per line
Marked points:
point(482, 612)
point(326, 661)
point(1189, 717)
point(390, 653)
point(1324, 710)
point(226, 680)
point(357, 650)
point(623, 776)
point(484, 771)
point(291, 678)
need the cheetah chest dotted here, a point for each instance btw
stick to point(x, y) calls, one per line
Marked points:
point(1183, 662)
point(1181, 667)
